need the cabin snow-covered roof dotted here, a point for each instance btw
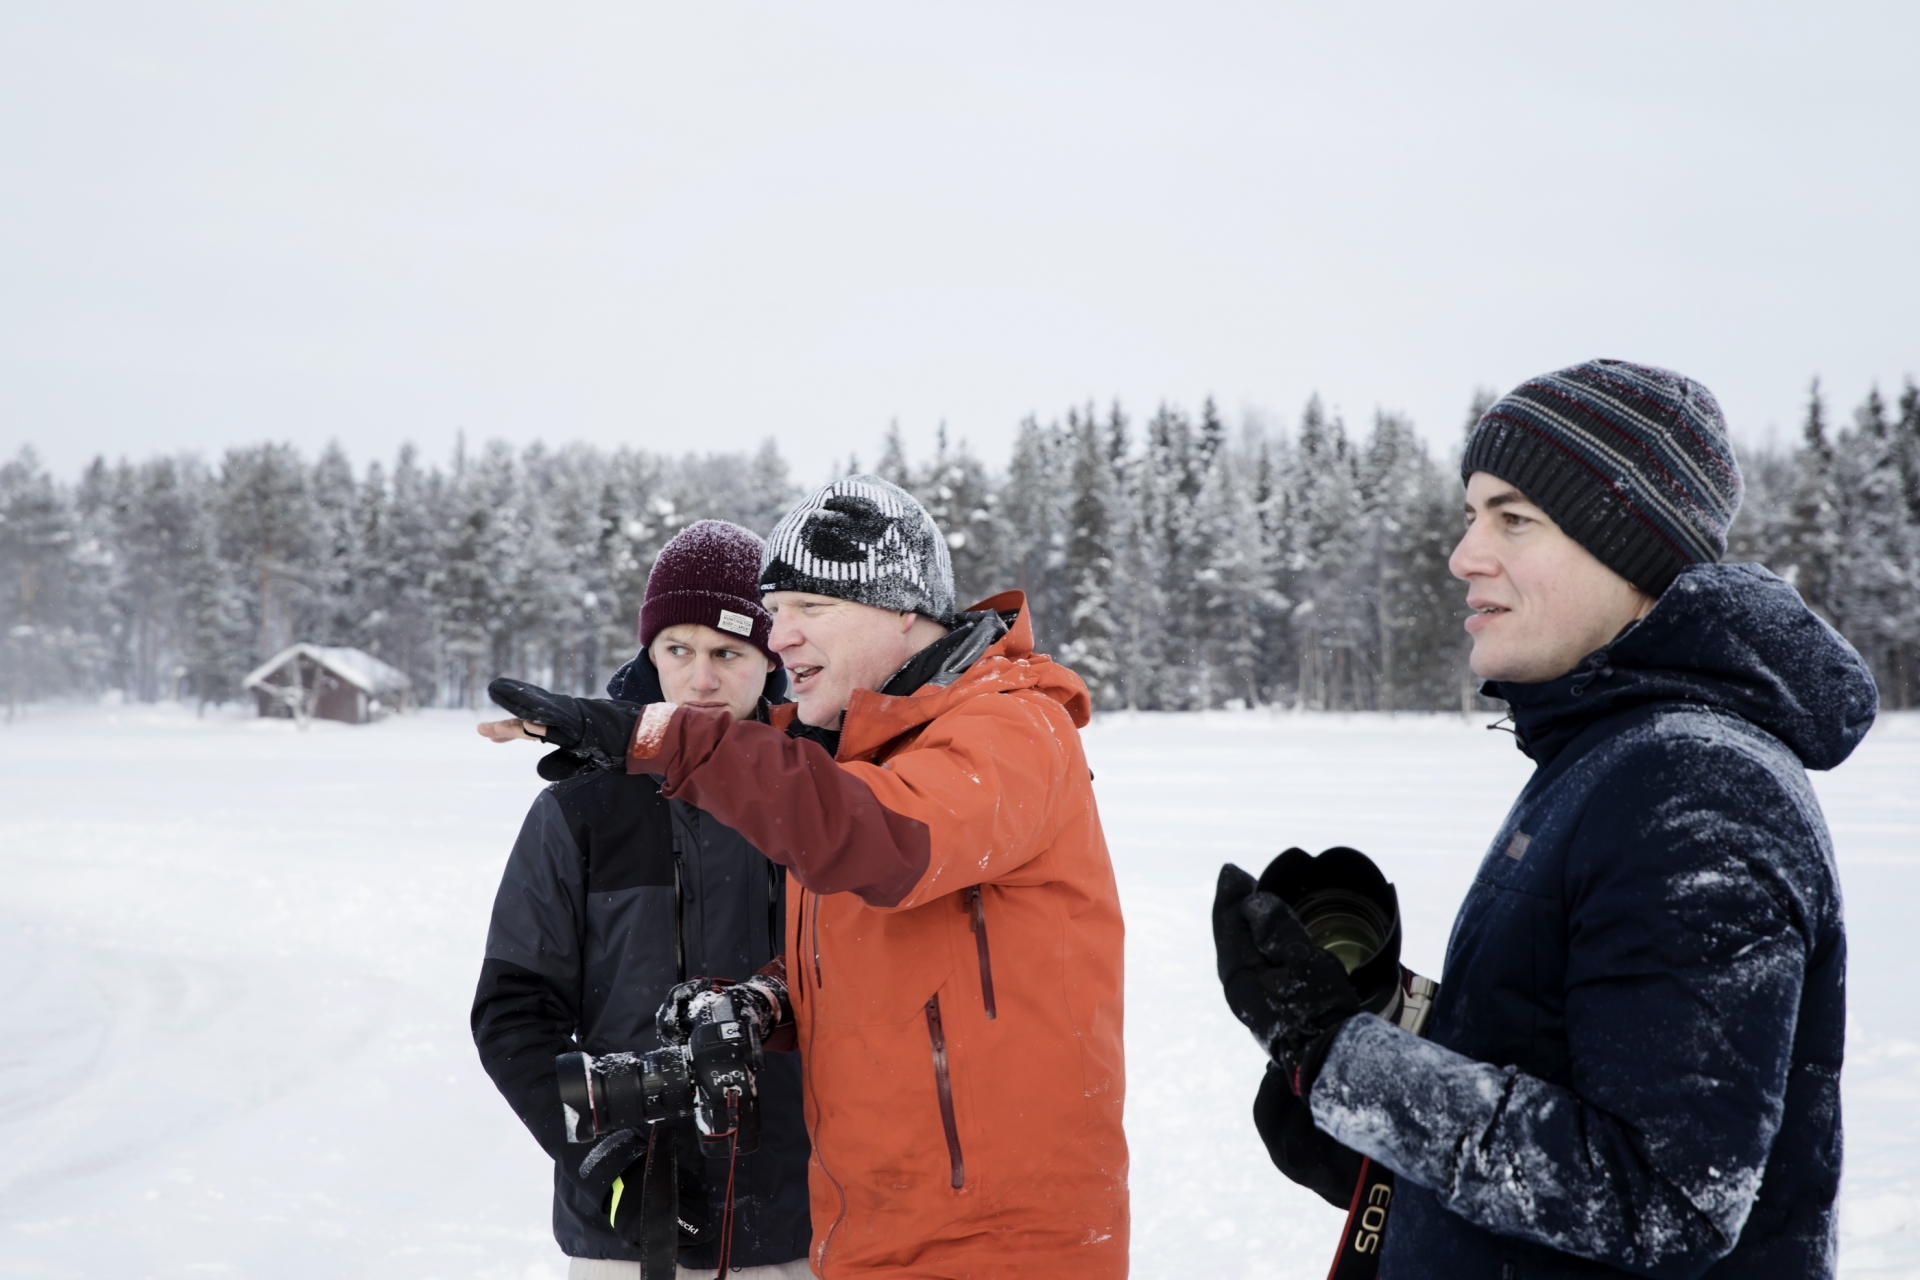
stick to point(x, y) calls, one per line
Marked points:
point(356, 666)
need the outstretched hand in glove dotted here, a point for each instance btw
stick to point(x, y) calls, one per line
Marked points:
point(590, 732)
point(1291, 994)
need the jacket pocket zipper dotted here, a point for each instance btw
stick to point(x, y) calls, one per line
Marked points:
point(814, 915)
point(945, 1085)
point(776, 918)
point(679, 915)
point(979, 922)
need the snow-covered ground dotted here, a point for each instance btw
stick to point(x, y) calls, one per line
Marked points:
point(236, 960)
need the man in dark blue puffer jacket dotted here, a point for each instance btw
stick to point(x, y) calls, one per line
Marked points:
point(1633, 1066)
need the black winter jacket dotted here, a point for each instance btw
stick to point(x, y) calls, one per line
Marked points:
point(611, 895)
point(1634, 1063)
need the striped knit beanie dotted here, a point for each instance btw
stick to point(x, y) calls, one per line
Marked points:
point(865, 540)
point(1633, 462)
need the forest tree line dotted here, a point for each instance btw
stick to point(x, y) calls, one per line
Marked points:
point(1171, 562)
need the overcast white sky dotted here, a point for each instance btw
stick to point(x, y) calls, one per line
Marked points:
point(695, 226)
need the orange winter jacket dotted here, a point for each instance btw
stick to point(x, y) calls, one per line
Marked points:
point(954, 959)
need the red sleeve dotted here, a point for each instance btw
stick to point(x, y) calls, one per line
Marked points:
point(787, 797)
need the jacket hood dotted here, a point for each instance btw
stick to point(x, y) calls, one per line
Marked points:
point(1729, 636)
point(875, 719)
point(639, 681)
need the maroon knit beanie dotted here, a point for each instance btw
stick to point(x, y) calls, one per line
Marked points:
point(709, 574)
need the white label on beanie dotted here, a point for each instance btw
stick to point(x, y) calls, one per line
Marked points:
point(738, 623)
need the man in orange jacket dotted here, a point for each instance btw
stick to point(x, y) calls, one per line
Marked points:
point(953, 934)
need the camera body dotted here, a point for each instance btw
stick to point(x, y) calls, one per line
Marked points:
point(710, 1078)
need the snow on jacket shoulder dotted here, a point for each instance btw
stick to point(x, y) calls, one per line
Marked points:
point(1635, 1055)
point(955, 964)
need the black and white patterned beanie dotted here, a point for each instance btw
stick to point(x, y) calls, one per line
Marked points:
point(865, 540)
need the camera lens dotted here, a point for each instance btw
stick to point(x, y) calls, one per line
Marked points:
point(1351, 927)
point(1348, 910)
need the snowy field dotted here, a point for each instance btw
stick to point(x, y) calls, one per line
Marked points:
point(238, 960)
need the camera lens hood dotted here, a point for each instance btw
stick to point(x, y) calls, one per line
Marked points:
point(1349, 908)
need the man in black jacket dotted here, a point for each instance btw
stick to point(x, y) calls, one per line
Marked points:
point(612, 896)
point(1633, 1063)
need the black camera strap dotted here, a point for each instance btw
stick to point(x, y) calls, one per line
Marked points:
point(659, 1206)
point(1359, 1254)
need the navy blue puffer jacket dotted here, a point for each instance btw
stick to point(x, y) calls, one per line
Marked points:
point(1634, 1063)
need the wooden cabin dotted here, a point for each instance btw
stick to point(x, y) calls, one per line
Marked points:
point(328, 683)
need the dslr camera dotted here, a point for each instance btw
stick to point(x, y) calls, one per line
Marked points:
point(711, 1078)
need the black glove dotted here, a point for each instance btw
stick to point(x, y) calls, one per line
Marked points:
point(1292, 995)
point(761, 1000)
point(595, 730)
point(1299, 1150)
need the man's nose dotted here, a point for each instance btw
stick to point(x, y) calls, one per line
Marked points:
point(784, 635)
point(1470, 558)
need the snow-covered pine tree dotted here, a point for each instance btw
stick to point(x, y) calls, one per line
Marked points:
point(410, 572)
point(633, 510)
point(146, 515)
point(478, 550)
point(335, 607)
point(1759, 533)
point(1872, 584)
point(1170, 563)
point(1325, 566)
point(587, 601)
point(1410, 513)
point(1091, 507)
point(1271, 466)
point(43, 640)
point(769, 489)
point(373, 582)
point(544, 599)
point(1906, 447)
point(95, 502)
point(265, 514)
point(1034, 503)
point(218, 638)
point(1813, 522)
point(1904, 688)
point(1232, 576)
point(892, 466)
point(1135, 585)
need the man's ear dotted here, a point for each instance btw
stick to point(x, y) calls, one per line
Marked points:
point(907, 620)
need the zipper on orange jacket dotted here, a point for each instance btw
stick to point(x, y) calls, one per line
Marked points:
point(816, 941)
point(979, 922)
point(945, 1085)
point(813, 1026)
point(807, 1077)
